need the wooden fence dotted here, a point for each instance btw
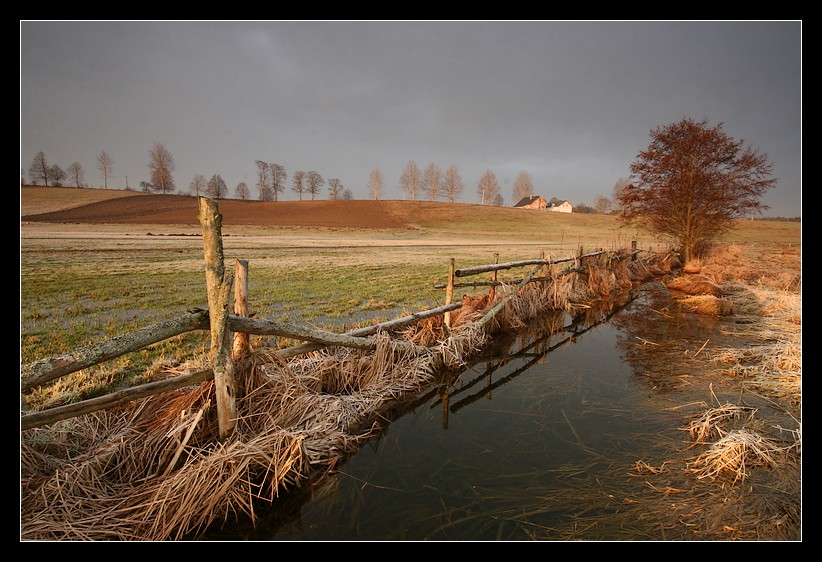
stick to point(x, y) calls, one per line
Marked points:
point(221, 282)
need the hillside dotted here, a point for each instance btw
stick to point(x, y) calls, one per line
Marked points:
point(92, 206)
point(116, 207)
point(37, 199)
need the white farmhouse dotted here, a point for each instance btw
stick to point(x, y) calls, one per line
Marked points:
point(564, 207)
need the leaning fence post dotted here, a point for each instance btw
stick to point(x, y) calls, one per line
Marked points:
point(241, 346)
point(218, 286)
point(449, 295)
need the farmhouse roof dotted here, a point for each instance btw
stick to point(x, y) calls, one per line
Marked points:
point(525, 201)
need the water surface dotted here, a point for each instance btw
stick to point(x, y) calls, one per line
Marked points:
point(537, 440)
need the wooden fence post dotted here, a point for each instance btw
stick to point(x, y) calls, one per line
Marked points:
point(241, 346)
point(493, 291)
point(218, 286)
point(449, 295)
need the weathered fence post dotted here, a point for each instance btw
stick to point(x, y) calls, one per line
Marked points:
point(218, 286)
point(241, 346)
point(493, 291)
point(449, 295)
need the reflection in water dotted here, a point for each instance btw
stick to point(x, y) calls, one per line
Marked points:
point(537, 439)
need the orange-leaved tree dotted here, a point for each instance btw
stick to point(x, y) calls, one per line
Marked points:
point(693, 182)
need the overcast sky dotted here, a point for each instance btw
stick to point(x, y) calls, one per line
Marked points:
point(571, 103)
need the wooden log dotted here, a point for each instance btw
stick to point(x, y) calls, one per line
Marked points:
point(370, 330)
point(241, 346)
point(51, 368)
point(322, 337)
point(533, 279)
point(218, 286)
point(496, 267)
point(405, 320)
point(508, 265)
point(37, 419)
point(497, 307)
point(236, 323)
point(48, 369)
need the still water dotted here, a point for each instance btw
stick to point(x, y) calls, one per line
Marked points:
point(538, 440)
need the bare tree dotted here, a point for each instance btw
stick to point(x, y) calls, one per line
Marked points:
point(347, 195)
point(105, 164)
point(431, 179)
point(77, 175)
point(57, 175)
point(39, 170)
point(278, 178)
point(299, 183)
point(602, 204)
point(488, 187)
point(242, 191)
point(452, 184)
point(411, 179)
point(216, 187)
point(693, 182)
point(161, 166)
point(498, 200)
point(335, 189)
point(313, 183)
point(198, 185)
point(262, 180)
point(618, 190)
point(523, 186)
point(375, 183)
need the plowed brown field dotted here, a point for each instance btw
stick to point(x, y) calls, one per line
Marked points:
point(130, 208)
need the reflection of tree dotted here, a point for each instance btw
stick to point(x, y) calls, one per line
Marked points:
point(659, 339)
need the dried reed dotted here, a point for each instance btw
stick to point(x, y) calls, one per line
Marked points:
point(708, 305)
point(734, 453)
point(695, 285)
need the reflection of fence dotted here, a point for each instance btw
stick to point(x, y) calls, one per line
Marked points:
point(533, 353)
point(221, 282)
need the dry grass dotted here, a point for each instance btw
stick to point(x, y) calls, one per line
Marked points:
point(734, 453)
point(155, 470)
point(695, 285)
point(710, 423)
point(707, 304)
point(766, 304)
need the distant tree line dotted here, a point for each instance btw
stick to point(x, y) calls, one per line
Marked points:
point(42, 173)
point(431, 183)
point(652, 193)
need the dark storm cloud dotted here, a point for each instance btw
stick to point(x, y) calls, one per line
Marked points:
point(572, 103)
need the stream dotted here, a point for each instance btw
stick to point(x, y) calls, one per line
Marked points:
point(539, 439)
